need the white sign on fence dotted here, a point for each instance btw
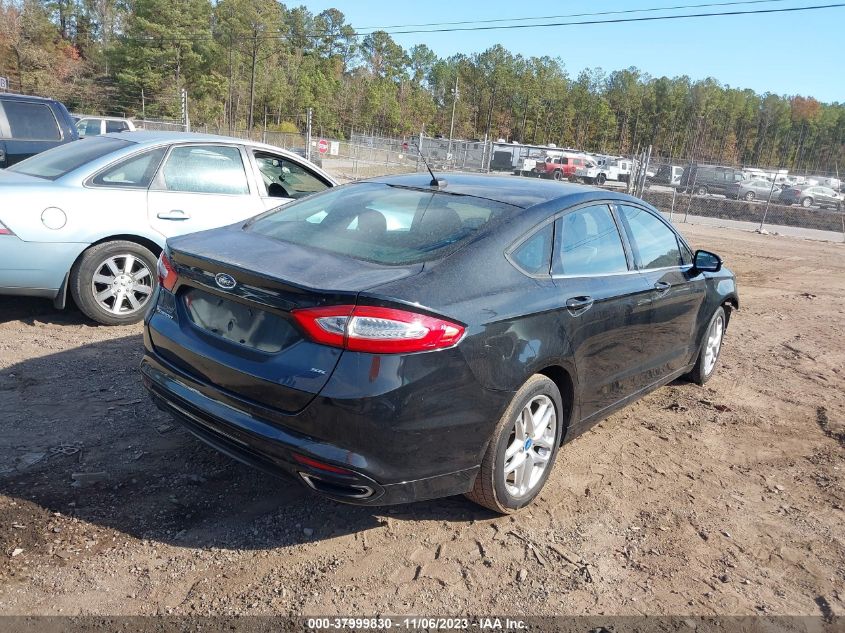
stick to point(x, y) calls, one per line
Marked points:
point(334, 148)
point(4, 83)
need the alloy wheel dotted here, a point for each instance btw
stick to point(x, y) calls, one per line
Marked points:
point(713, 344)
point(122, 284)
point(530, 447)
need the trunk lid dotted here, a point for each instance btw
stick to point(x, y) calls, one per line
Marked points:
point(232, 324)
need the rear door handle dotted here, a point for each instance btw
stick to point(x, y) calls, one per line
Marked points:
point(579, 305)
point(661, 287)
point(175, 214)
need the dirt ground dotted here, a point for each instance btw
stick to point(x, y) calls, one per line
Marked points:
point(726, 499)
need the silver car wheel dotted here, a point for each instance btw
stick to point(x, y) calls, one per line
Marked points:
point(713, 344)
point(530, 447)
point(122, 284)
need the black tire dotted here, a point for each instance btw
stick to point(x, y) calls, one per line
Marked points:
point(600, 179)
point(700, 374)
point(749, 196)
point(557, 175)
point(93, 261)
point(490, 488)
point(806, 202)
point(701, 190)
point(588, 181)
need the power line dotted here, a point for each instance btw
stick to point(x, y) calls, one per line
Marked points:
point(573, 15)
point(620, 20)
point(281, 35)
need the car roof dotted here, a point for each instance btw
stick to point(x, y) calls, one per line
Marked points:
point(514, 190)
point(156, 137)
point(13, 96)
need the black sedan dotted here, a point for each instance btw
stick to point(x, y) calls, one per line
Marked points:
point(406, 338)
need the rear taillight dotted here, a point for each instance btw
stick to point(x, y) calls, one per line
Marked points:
point(166, 272)
point(4, 230)
point(377, 330)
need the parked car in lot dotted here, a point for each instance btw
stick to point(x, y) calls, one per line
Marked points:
point(394, 340)
point(97, 125)
point(29, 125)
point(808, 196)
point(91, 217)
point(705, 179)
point(561, 165)
point(749, 190)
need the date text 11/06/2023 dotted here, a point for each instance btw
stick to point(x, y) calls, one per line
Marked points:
point(417, 623)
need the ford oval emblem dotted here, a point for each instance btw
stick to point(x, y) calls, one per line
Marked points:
point(227, 282)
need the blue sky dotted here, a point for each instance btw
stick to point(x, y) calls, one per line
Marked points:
point(786, 53)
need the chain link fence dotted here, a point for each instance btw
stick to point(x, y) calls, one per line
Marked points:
point(804, 205)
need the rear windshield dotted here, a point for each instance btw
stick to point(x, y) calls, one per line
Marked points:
point(61, 160)
point(387, 224)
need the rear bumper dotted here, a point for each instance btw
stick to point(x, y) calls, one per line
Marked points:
point(251, 439)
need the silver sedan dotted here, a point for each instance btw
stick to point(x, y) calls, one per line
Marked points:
point(749, 190)
point(91, 217)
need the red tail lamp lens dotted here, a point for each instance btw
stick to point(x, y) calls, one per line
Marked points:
point(166, 272)
point(378, 330)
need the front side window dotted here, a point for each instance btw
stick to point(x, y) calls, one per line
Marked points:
point(283, 178)
point(136, 171)
point(386, 224)
point(589, 243)
point(61, 160)
point(655, 244)
point(31, 121)
point(216, 169)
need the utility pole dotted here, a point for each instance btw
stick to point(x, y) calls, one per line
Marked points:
point(143, 106)
point(186, 121)
point(452, 125)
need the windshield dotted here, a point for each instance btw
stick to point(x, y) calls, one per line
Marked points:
point(61, 160)
point(382, 223)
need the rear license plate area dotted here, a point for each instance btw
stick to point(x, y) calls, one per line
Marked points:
point(237, 322)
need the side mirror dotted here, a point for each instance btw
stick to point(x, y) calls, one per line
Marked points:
point(707, 262)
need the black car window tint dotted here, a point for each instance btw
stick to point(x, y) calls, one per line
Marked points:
point(136, 171)
point(589, 243)
point(532, 256)
point(655, 244)
point(216, 169)
point(31, 121)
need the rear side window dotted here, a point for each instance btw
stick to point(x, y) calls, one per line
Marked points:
point(386, 224)
point(532, 256)
point(61, 160)
point(116, 126)
point(589, 244)
point(136, 171)
point(31, 121)
point(655, 244)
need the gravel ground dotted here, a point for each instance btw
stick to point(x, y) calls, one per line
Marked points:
point(726, 499)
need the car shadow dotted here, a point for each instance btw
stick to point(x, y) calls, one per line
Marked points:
point(80, 437)
point(33, 310)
